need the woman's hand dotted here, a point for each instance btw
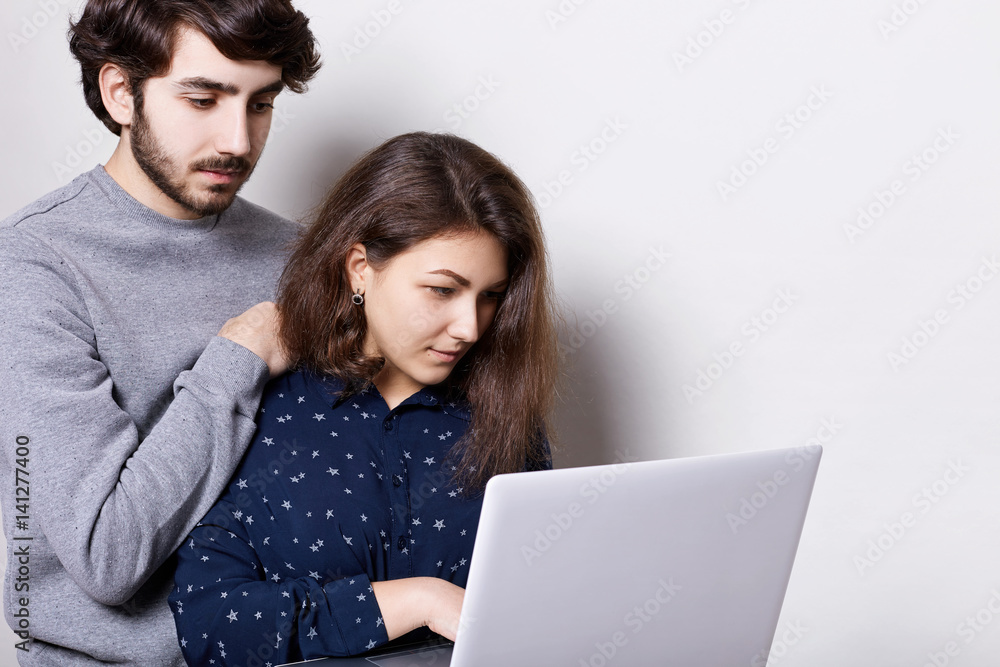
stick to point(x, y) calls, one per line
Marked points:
point(408, 604)
point(445, 607)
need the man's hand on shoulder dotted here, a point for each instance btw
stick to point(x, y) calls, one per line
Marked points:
point(257, 330)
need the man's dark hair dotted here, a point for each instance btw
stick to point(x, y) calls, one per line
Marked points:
point(139, 37)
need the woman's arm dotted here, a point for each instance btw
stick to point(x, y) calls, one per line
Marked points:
point(230, 607)
point(408, 604)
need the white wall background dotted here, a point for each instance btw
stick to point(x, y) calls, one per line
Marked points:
point(891, 82)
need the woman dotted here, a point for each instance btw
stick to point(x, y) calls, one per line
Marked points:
point(418, 312)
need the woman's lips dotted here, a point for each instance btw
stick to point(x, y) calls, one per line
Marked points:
point(446, 356)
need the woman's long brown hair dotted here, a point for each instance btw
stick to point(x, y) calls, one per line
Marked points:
point(411, 188)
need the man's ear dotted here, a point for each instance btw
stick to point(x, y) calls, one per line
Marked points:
point(357, 265)
point(117, 94)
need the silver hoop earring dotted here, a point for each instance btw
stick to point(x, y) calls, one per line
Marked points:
point(357, 298)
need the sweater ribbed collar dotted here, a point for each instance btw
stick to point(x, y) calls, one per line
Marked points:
point(135, 210)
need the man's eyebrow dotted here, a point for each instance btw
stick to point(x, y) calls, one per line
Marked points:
point(275, 87)
point(201, 83)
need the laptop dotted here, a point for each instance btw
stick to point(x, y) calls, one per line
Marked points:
point(674, 562)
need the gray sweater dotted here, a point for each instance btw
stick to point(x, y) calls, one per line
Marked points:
point(122, 415)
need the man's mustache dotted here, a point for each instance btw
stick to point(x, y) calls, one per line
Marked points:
point(234, 163)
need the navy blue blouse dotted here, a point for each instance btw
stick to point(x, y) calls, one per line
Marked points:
point(332, 494)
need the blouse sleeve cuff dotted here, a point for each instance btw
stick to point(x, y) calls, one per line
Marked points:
point(356, 613)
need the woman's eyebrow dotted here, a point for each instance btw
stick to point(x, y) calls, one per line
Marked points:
point(464, 282)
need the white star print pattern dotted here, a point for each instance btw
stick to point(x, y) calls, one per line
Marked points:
point(324, 581)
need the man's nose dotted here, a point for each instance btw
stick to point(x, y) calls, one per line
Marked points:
point(233, 134)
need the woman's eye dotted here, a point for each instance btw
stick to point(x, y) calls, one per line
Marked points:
point(496, 296)
point(443, 291)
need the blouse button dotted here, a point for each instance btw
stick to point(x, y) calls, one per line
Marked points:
point(396, 481)
point(401, 543)
point(387, 425)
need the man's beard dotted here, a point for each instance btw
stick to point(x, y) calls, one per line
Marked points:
point(169, 177)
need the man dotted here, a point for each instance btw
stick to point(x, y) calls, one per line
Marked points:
point(122, 415)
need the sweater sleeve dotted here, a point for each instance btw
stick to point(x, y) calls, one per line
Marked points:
point(231, 609)
point(112, 507)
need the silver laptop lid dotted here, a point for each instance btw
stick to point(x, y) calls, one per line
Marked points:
point(682, 561)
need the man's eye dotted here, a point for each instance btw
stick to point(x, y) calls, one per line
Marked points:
point(201, 102)
point(262, 107)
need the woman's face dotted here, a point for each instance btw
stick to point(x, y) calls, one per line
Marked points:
point(429, 305)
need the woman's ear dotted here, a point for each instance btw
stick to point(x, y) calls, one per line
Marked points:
point(357, 265)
